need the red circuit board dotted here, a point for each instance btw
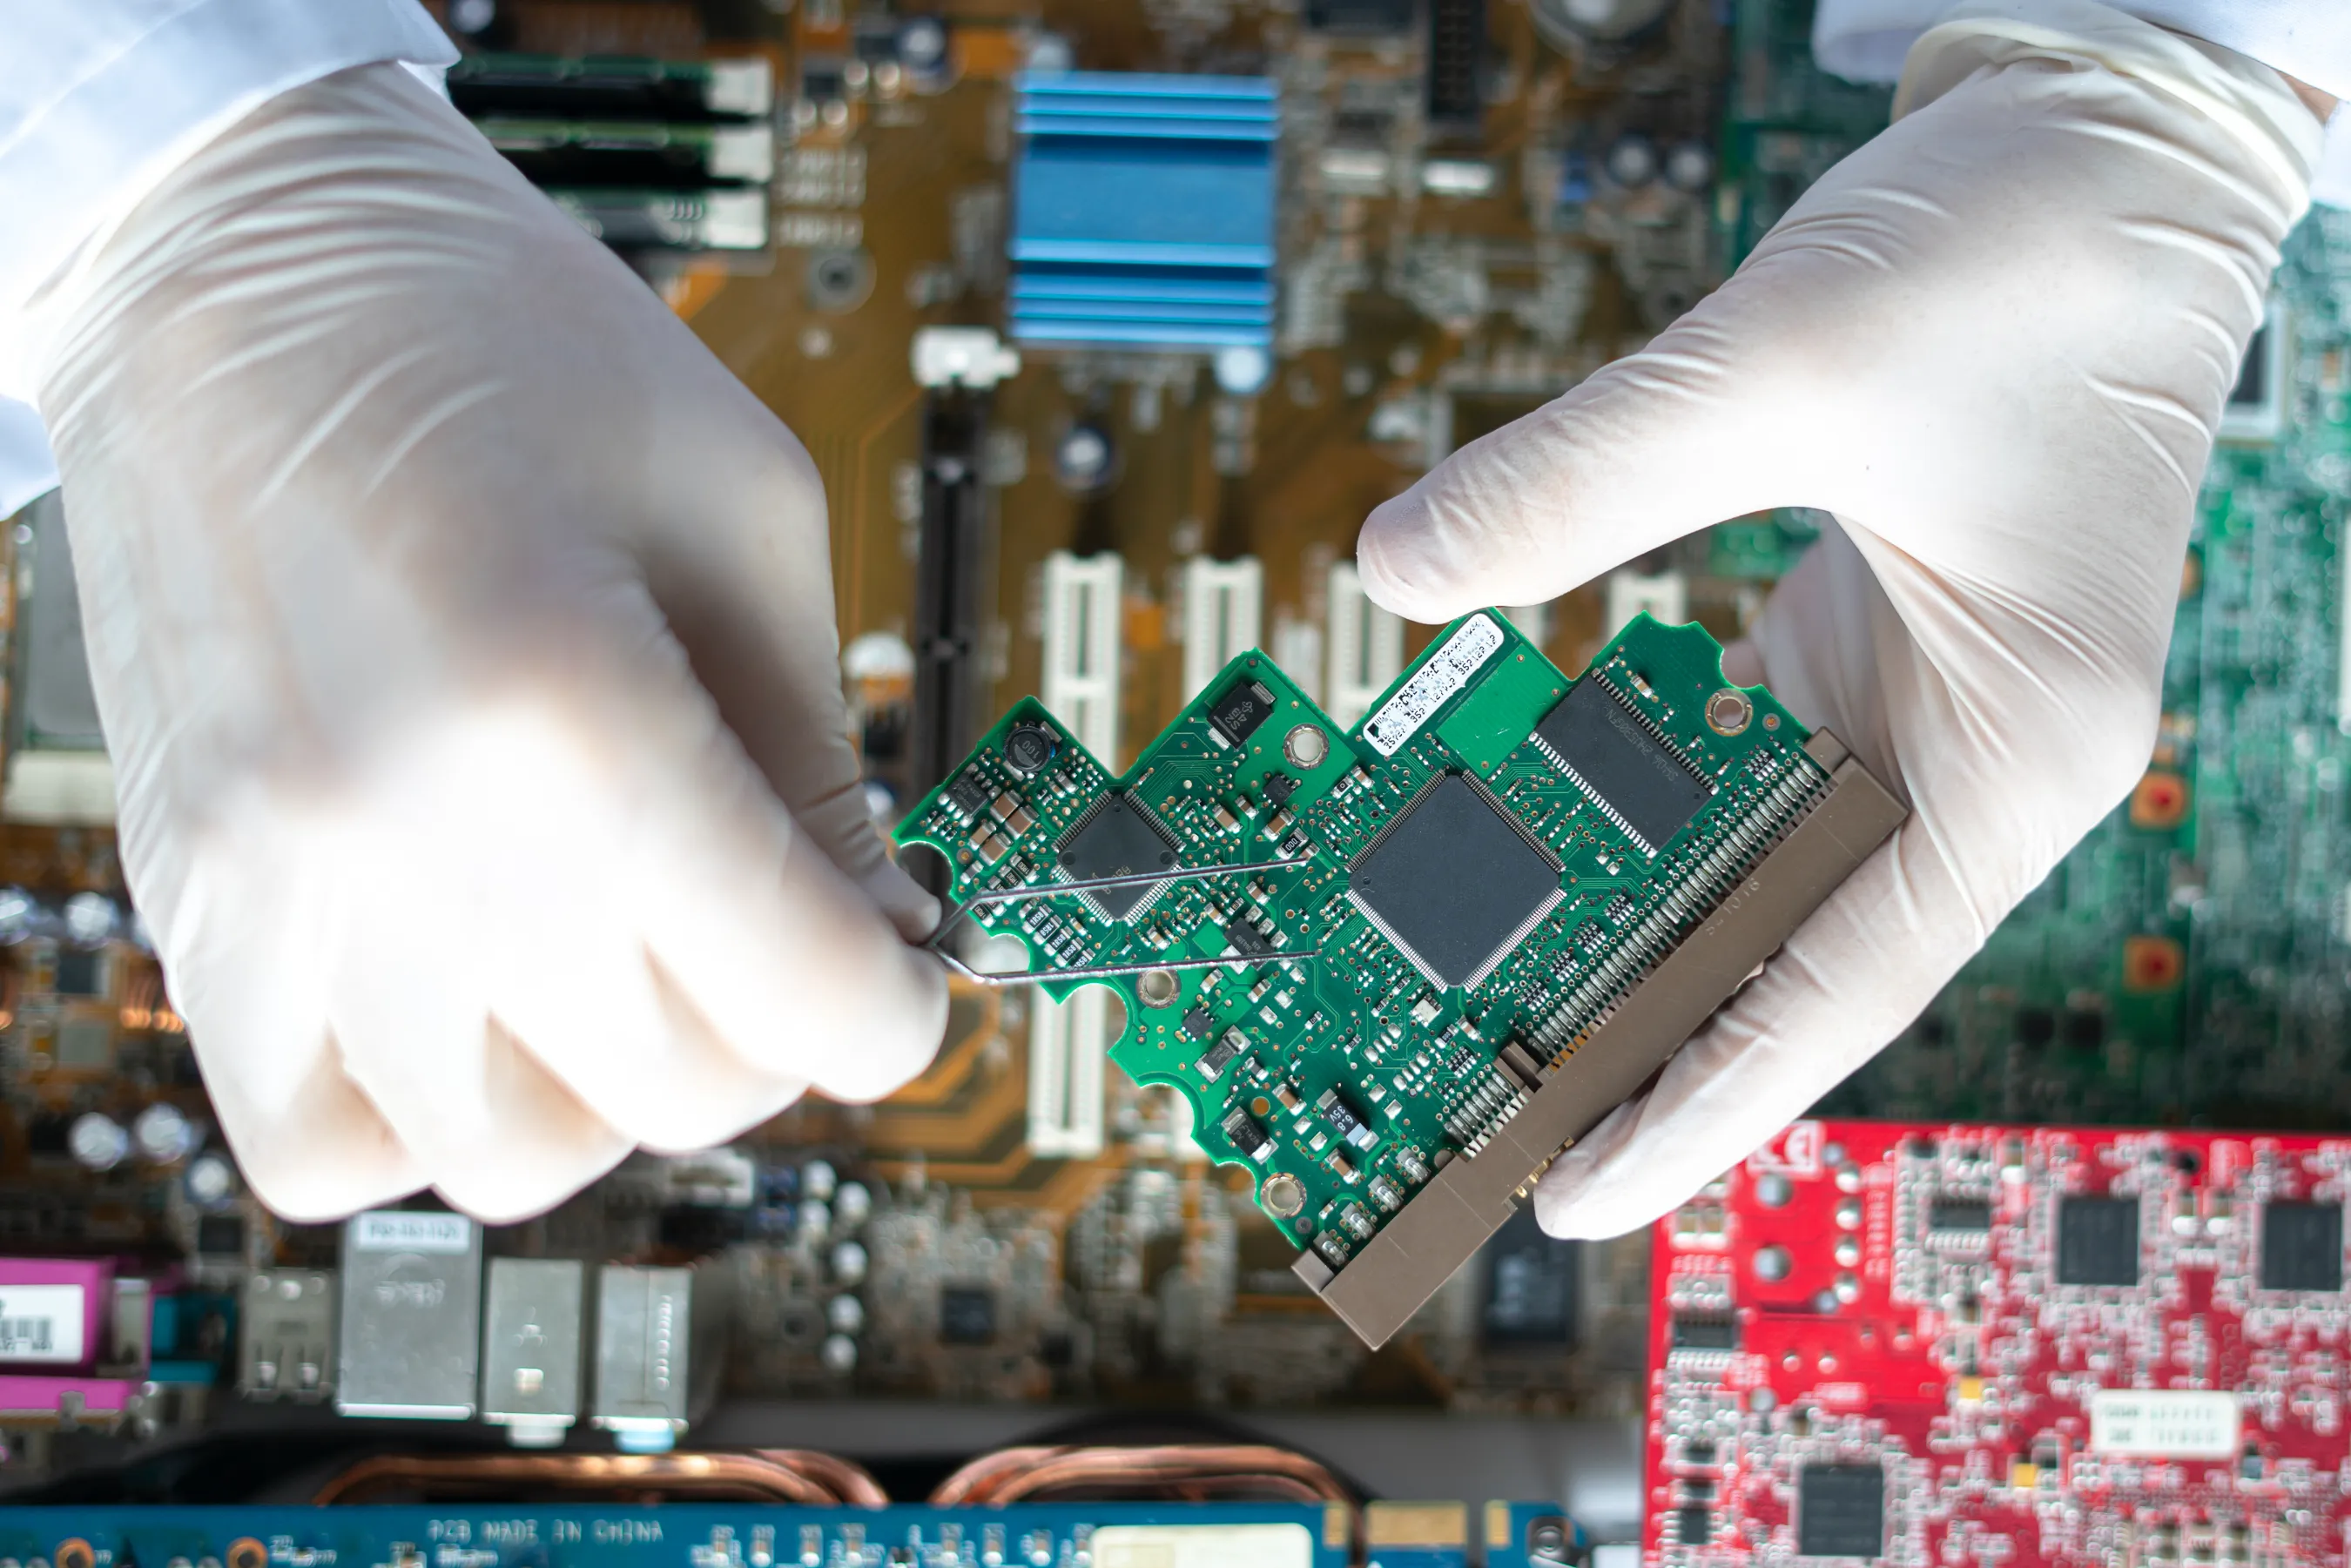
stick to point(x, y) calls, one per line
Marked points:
point(2007, 1347)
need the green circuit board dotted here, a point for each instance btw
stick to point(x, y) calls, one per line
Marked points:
point(1489, 860)
point(2189, 961)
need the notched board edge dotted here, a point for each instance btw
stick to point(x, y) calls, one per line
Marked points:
point(1446, 1221)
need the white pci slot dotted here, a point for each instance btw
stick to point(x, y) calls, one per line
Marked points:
point(1081, 649)
point(1223, 613)
point(1366, 647)
point(1664, 598)
point(1067, 1044)
point(1298, 650)
point(1533, 621)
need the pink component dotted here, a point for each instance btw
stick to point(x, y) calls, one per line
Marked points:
point(96, 1400)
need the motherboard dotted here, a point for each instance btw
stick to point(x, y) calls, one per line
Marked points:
point(1106, 323)
point(1922, 1342)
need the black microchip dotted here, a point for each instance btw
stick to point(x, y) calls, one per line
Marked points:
point(222, 1235)
point(1453, 881)
point(1704, 1333)
point(1622, 763)
point(1197, 1023)
point(1117, 840)
point(79, 972)
point(1280, 788)
point(967, 1315)
point(1693, 1524)
point(1246, 937)
point(1531, 1287)
point(1840, 1512)
point(1958, 1213)
point(2302, 1246)
point(1697, 1451)
point(2097, 1241)
point(1242, 1131)
point(1246, 705)
point(967, 792)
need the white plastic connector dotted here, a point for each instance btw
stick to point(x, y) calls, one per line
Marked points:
point(1366, 647)
point(1664, 598)
point(974, 357)
point(1079, 683)
point(1067, 1044)
point(745, 87)
point(1224, 609)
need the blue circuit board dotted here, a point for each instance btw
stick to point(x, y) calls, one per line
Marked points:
point(740, 1535)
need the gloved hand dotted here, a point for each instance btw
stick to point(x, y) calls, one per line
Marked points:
point(1995, 343)
point(464, 636)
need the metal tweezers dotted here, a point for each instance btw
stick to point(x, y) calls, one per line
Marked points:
point(938, 940)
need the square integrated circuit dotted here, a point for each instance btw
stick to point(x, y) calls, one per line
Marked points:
point(2302, 1246)
point(1455, 882)
point(1425, 952)
point(2097, 1241)
point(1840, 1510)
point(1118, 837)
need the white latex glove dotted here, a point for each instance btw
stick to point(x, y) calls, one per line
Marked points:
point(1995, 343)
point(464, 636)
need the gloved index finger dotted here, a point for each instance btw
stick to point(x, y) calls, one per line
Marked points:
point(1655, 446)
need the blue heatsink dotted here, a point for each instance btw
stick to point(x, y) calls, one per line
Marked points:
point(1143, 210)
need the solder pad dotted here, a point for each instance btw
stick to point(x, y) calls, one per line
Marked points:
point(1476, 882)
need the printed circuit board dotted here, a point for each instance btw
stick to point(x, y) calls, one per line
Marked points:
point(1946, 1343)
point(1422, 918)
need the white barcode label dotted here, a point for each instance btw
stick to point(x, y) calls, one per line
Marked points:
point(1440, 675)
point(396, 1230)
point(2164, 1423)
point(41, 1323)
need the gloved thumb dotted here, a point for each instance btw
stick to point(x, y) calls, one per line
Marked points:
point(1656, 446)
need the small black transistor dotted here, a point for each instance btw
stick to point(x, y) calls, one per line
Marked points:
point(1246, 1135)
point(1246, 938)
point(1197, 1023)
point(1246, 705)
point(967, 792)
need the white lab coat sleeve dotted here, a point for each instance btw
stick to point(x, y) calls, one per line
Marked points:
point(2309, 40)
point(102, 99)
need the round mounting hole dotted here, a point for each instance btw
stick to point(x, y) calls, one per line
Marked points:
point(1728, 710)
point(1159, 988)
point(1284, 1195)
